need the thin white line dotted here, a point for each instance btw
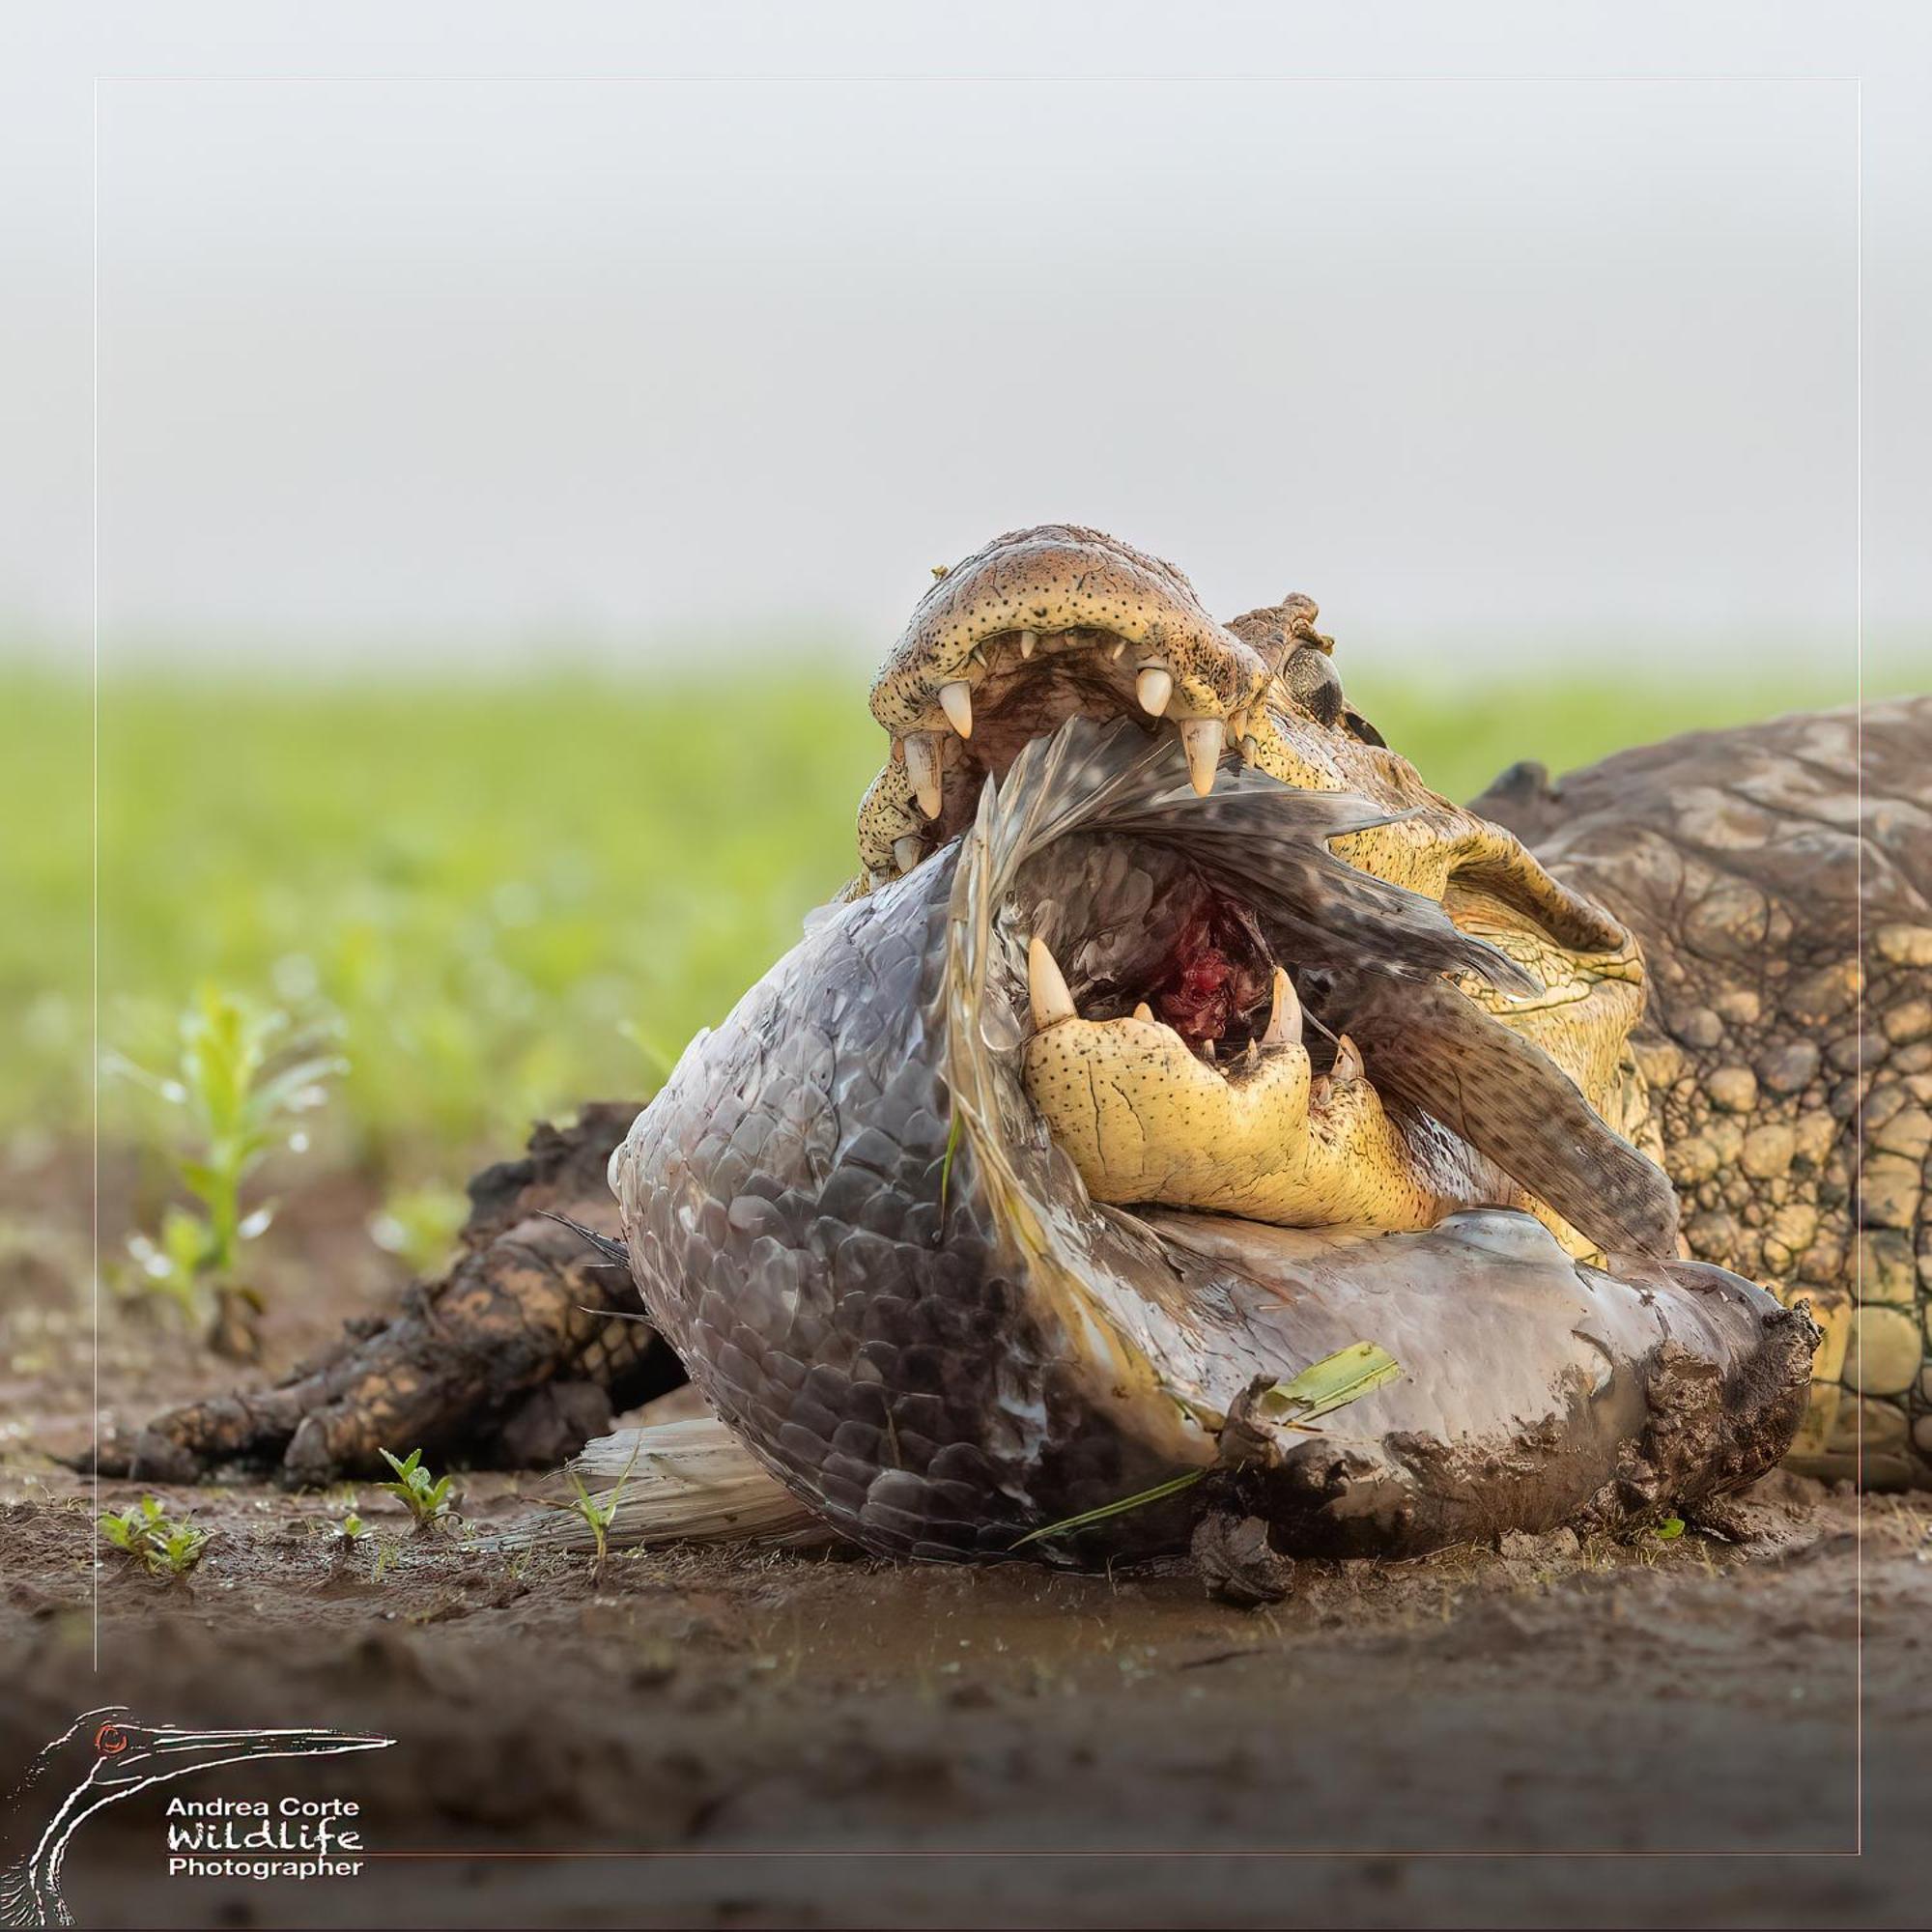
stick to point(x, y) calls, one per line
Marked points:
point(93, 859)
point(1258, 79)
point(1858, 1136)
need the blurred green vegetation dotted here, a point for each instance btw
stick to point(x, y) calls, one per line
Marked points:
point(517, 896)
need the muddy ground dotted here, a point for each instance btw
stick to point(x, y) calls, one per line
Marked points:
point(1595, 1735)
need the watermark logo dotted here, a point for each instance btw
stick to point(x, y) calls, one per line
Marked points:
point(107, 1755)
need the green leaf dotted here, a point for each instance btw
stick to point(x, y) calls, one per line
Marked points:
point(1671, 1526)
point(1326, 1385)
point(287, 1090)
point(202, 1180)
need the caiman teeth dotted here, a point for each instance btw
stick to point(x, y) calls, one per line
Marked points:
point(1155, 687)
point(1029, 639)
point(1347, 1060)
point(1144, 1011)
point(921, 761)
point(955, 700)
point(1046, 987)
point(1284, 1027)
point(1201, 739)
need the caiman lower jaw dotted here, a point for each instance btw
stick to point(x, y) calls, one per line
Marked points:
point(1149, 1119)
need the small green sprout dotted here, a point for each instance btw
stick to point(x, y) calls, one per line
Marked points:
point(426, 1497)
point(1671, 1526)
point(351, 1528)
point(131, 1532)
point(597, 1512)
point(166, 1546)
point(178, 1549)
point(243, 1076)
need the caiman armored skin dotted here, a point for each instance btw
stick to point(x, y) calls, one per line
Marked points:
point(871, 1220)
point(1789, 1070)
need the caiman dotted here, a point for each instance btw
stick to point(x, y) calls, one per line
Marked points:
point(1176, 1037)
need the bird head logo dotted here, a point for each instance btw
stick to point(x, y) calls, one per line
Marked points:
point(105, 1755)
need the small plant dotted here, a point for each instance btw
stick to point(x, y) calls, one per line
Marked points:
point(425, 1496)
point(350, 1530)
point(596, 1512)
point(167, 1547)
point(243, 1075)
point(178, 1548)
point(129, 1531)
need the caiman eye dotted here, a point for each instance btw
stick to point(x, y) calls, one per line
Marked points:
point(1315, 684)
point(110, 1740)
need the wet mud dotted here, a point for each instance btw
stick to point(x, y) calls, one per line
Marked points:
point(1553, 1730)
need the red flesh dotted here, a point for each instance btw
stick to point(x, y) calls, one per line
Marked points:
point(1218, 971)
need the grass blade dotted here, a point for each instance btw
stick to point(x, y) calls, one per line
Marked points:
point(1173, 1486)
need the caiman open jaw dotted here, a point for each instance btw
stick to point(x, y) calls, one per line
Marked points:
point(1140, 1074)
point(1204, 1090)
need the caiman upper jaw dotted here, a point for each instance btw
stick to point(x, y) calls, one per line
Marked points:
point(1038, 626)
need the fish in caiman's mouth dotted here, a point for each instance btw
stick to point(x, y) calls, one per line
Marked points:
point(1174, 1037)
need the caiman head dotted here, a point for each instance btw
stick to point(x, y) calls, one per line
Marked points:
point(1177, 1035)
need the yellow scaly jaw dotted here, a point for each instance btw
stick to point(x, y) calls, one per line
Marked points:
point(1146, 1120)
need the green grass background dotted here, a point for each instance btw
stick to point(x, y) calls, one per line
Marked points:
point(519, 896)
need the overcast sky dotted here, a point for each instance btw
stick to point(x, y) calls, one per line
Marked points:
point(413, 371)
